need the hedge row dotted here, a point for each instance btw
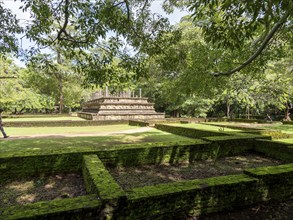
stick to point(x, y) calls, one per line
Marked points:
point(61, 123)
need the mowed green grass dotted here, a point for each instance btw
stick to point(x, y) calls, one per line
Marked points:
point(287, 140)
point(205, 127)
point(76, 144)
point(285, 128)
point(23, 131)
point(65, 118)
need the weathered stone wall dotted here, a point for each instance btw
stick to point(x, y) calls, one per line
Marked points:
point(117, 108)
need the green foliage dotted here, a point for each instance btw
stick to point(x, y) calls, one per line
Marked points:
point(82, 28)
point(9, 26)
point(63, 209)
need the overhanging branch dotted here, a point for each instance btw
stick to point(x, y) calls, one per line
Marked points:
point(8, 77)
point(265, 42)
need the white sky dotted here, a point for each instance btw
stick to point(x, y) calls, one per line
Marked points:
point(25, 16)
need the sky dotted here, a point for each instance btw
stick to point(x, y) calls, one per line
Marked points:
point(156, 7)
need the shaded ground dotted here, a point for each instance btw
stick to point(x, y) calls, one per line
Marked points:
point(38, 146)
point(132, 177)
point(82, 132)
point(32, 190)
point(262, 211)
point(33, 132)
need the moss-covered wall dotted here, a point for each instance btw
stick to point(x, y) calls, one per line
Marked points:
point(190, 197)
point(276, 182)
point(138, 123)
point(274, 149)
point(165, 201)
point(83, 207)
point(189, 132)
point(18, 167)
point(98, 180)
point(195, 197)
point(156, 153)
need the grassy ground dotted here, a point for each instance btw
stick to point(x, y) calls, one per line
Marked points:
point(288, 140)
point(13, 131)
point(276, 126)
point(64, 118)
point(280, 127)
point(72, 144)
point(206, 127)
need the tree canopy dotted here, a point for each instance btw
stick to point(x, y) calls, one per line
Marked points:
point(231, 24)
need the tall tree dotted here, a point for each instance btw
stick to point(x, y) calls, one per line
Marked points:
point(232, 24)
point(78, 26)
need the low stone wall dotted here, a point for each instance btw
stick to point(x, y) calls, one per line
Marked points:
point(274, 149)
point(189, 132)
point(83, 207)
point(106, 199)
point(209, 195)
point(138, 123)
point(120, 116)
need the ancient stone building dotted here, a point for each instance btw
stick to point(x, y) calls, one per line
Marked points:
point(122, 106)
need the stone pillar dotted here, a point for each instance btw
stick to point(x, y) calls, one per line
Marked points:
point(107, 92)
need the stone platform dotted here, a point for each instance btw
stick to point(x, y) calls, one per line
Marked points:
point(119, 108)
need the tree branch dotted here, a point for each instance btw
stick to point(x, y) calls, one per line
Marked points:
point(66, 14)
point(8, 77)
point(265, 42)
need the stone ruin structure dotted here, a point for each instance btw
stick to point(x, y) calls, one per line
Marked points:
point(118, 106)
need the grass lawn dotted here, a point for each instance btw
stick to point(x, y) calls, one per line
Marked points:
point(64, 118)
point(75, 144)
point(285, 128)
point(287, 140)
point(13, 131)
point(205, 127)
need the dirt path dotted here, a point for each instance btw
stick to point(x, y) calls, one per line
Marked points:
point(91, 134)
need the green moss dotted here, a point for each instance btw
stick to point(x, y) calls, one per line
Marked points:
point(138, 123)
point(99, 180)
point(195, 196)
point(72, 208)
point(189, 132)
point(189, 185)
point(274, 149)
point(270, 170)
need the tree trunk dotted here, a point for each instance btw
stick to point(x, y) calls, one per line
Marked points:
point(287, 112)
point(228, 109)
point(61, 97)
point(59, 76)
point(247, 113)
